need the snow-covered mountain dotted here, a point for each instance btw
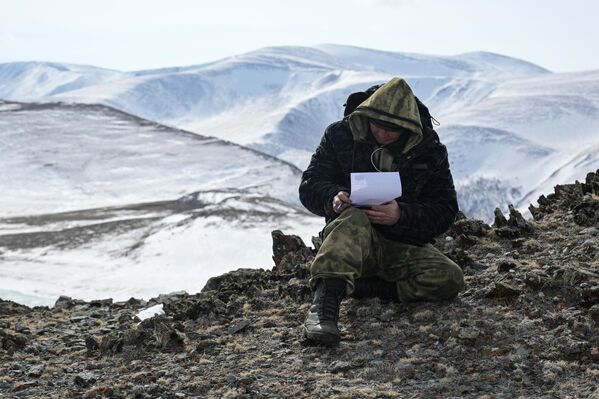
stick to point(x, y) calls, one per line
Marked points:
point(545, 128)
point(92, 155)
point(33, 80)
point(278, 100)
point(97, 202)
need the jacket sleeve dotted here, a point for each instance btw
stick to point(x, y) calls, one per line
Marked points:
point(321, 180)
point(432, 213)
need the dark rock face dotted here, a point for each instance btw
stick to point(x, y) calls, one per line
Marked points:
point(12, 340)
point(581, 198)
point(470, 227)
point(10, 308)
point(525, 326)
point(514, 227)
point(287, 245)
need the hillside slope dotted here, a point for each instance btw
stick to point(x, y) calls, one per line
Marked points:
point(98, 202)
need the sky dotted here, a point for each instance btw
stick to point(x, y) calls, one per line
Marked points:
point(144, 34)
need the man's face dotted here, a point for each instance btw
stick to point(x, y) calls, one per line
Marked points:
point(382, 136)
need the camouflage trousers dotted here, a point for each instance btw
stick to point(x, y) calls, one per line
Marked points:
point(352, 248)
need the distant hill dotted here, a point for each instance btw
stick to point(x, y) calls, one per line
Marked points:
point(98, 201)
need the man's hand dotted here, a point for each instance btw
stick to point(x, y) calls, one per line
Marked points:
point(341, 202)
point(387, 214)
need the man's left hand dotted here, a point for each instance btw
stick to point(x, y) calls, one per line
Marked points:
point(387, 214)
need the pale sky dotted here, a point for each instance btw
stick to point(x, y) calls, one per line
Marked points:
point(142, 34)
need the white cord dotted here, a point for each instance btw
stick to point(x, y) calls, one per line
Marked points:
point(372, 155)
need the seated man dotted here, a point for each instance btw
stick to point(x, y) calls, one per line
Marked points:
point(384, 250)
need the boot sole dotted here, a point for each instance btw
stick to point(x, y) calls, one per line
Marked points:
point(323, 338)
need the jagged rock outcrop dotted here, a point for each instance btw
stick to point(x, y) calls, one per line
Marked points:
point(525, 326)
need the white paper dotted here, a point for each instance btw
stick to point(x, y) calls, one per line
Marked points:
point(150, 312)
point(374, 188)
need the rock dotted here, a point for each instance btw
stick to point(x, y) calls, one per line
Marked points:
point(231, 380)
point(530, 246)
point(63, 302)
point(535, 212)
point(466, 242)
point(466, 330)
point(594, 312)
point(589, 246)
point(172, 296)
point(11, 340)
point(423, 315)
point(572, 348)
point(500, 220)
point(235, 328)
point(84, 379)
point(283, 245)
point(536, 278)
point(505, 265)
point(339, 366)
point(109, 344)
point(101, 302)
point(407, 370)
point(23, 385)
point(10, 308)
point(477, 266)
point(208, 346)
point(517, 220)
point(513, 228)
point(590, 295)
point(135, 302)
point(92, 343)
point(465, 261)
point(204, 303)
point(236, 281)
point(296, 289)
point(470, 227)
point(22, 329)
point(592, 182)
point(586, 212)
point(503, 290)
point(594, 231)
point(106, 391)
point(156, 332)
point(36, 370)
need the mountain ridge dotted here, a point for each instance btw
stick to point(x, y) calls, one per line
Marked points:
point(278, 100)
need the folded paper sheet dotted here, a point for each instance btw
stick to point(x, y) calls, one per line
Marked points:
point(374, 188)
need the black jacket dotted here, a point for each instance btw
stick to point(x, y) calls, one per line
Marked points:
point(428, 203)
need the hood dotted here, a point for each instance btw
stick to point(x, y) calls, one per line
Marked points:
point(393, 103)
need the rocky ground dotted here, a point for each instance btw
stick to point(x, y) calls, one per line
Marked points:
point(526, 326)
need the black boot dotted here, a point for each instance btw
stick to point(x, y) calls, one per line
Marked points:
point(321, 323)
point(371, 287)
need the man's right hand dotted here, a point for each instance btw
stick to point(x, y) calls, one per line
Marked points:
point(341, 202)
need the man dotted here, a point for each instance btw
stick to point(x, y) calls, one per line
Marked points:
point(384, 250)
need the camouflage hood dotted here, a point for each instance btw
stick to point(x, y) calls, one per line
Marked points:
point(393, 103)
